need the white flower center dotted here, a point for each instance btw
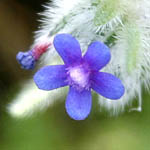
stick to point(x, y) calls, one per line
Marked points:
point(79, 76)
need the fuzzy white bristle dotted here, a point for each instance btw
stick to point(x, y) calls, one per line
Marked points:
point(32, 99)
point(126, 23)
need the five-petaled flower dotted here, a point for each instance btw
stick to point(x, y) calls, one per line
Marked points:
point(81, 74)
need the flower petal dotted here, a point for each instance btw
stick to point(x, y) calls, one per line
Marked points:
point(51, 77)
point(78, 104)
point(68, 48)
point(97, 55)
point(107, 85)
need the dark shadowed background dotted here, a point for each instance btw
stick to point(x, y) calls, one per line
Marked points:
point(53, 129)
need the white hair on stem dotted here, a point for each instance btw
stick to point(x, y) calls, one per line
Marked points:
point(32, 99)
point(126, 23)
point(130, 60)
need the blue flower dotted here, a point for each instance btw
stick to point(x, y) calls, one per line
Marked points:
point(81, 74)
point(26, 60)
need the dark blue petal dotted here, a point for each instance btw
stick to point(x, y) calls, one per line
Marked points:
point(78, 104)
point(68, 48)
point(107, 85)
point(97, 55)
point(26, 60)
point(51, 77)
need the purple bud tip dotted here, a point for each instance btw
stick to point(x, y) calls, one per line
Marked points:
point(26, 60)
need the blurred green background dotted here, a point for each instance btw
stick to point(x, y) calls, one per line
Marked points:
point(53, 129)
